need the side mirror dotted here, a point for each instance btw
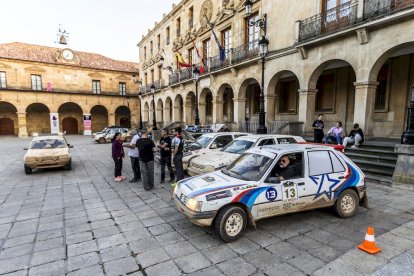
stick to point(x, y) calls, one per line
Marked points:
point(25, 148)
point(273, 180)
point(213, 146)
point(70, 146)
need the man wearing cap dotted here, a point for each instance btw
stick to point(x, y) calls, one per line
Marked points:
point(146, 148)
point(134, 155)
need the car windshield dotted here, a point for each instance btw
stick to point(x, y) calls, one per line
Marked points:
point(238, 146)
point(48, 144)
point(204, 141)
point(249, 167)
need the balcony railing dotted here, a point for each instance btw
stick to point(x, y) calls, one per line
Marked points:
point(246, 51)
point(330, 21)
point(174, 78)
point(186, 74)
point(216, 63)
point(378, 8)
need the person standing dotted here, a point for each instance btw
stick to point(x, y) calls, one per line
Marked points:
point(335, 134)
point(356, 136)
point(117, 155)
point(178, 147)
point(146, 148)
point(318, 129)
point(134, 155)
point(165, 152)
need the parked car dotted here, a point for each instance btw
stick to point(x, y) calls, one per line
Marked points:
point(209, 142)
point(252, 188)
point(47, 152)
point(108, 133)
point(213, 161)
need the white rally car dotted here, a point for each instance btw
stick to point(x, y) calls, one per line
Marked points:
point(213, 161)
point(209, 142)
point(255, 187)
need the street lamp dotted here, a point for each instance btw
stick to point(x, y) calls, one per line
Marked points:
point(139, 94)
point(263, 49)
point(408, 135)
point(196, 76)
point(154, 119)
point(129, 114)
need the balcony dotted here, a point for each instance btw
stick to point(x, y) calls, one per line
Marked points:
point(216, 63)
point(245, 52)
point(331, 21)
point(378, 8)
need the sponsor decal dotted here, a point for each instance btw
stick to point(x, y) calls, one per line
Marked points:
point(209, 179)
point(245, 187)
point(290, 205)
point(211, 190)
point(218, 195)
point(268, 209)
point(271, 194)
point(248, 197)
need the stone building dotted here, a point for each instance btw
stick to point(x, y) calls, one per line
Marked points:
point(349, 59)
point(37, 80)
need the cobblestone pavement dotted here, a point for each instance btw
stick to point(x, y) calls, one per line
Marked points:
point(81, 222)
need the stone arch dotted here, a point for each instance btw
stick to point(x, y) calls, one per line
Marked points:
point(190, 107)
point(206, 106)
point(37, 118)
point(8, 119)
point(151, 113)
point(99, 115)
point(123, 116)
point(145, 114)
point(168, 110)
point(249, 100)
point(73, 111)
point(225, 104)
point(178, 108)
point(160, 111)
point(244, 85)
point(329, 64)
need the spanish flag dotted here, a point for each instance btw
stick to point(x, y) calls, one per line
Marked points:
point(181, 61)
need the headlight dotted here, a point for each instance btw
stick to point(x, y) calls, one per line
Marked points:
point(176, 188)
point(209, 169)
point(194, 205)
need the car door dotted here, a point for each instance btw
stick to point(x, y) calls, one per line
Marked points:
point(284, 196)
point(325, 174)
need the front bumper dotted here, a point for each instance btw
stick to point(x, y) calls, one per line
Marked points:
point(199, 218)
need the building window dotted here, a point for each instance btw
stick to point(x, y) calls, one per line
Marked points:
point(191, 56)
point(178, 26)
point(226, 40)
point(190, 17)
point(96, 87)
point(145, 52)
point(160, 73)
point(122, 88)
point(206, 52)
point(152, 76)
point(381, 93)
point(252, 32)
point(326, 92)
point(288, 90)
point(3, 83)
point(167, 33)
point(36, 82)
point(335, 10)
point(151, 48)
point(146, 78)
point(159, 42)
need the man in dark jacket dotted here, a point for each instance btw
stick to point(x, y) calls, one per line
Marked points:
point(318, 127)
point(356, 136)
point(146, 148)
point(165, 152)
point(178, 147)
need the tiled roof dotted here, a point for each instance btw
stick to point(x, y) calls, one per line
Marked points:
point(44, 54)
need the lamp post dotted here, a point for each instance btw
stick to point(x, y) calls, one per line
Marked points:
point(141, 125)
point(408, 135)
point(129, 114)
point(263, 49)
point(154, 119)
point(196, 76)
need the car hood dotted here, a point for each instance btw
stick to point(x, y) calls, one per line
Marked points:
point(47, 152)
point(208, 183)
point(216, 159)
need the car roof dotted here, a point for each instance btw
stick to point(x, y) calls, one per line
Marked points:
point(214, 134)
point(277, 149)
point(47, 137)
point(256, 137)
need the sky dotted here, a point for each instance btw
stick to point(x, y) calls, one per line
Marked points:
point(108, 27)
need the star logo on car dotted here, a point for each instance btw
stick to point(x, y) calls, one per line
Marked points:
point(326, 186)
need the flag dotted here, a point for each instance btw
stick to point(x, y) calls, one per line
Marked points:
point(199, 56)
point(181, 61)
point(221, 49)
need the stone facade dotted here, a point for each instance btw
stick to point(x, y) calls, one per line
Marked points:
point(353, 63)
point(64, 87)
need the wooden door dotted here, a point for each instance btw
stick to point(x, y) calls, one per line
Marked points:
point(70, 125)
point(6, 126)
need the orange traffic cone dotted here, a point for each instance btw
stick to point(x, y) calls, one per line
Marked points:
point(369, 242)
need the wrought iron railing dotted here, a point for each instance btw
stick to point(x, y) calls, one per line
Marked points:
point(330, 21)
point(186, 74)
point(142, 89)
point(246, 51)
point(174, 78)
point(248, 126)
point(157, 85)
point(378, 8)
point(216, 62)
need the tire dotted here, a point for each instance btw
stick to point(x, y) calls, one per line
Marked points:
point(347, 204)
point(224, 224)
point(102, 140)
point(68, 166)
point(27, 170)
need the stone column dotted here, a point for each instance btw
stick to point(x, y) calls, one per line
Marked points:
point(202, 112)
point(307, 101)
point(218, 110)
point(188, 111)
point(364, 106)
point(270, 109)
point(403, 177)
point(21, 120)
point(167, 114)
point(160, 116)
point(111, 119)
point(239, 110)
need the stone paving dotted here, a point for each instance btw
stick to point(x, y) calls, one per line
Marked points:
point(81, 222)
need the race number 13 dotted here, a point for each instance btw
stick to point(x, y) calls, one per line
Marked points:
point(290, 192)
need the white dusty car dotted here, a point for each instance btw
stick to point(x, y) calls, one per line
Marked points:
point(253, 188)
point(213, 161)
point(47, 152)
point(209, 142)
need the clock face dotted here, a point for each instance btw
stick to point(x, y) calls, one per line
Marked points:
point(67, 54)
